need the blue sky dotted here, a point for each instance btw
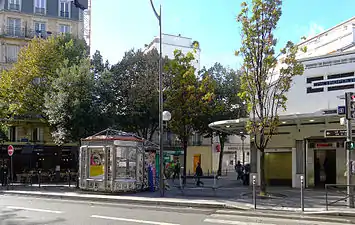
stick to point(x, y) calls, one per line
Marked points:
point(119, 25)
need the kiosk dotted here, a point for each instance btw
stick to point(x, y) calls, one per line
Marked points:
point(116, 161)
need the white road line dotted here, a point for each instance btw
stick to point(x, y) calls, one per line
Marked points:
point(35, 210)
point(132, 220)
point(234, 222)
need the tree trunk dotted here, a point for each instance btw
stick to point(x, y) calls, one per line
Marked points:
point(262, 173)
point(220, 163)
point(185, 160)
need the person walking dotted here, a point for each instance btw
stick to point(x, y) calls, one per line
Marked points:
point(199, 174)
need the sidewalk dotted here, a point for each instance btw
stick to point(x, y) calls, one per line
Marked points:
point(230, 195)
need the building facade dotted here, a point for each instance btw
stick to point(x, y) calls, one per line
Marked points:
point(301, 146)
point(22, 20)
point(172, 42)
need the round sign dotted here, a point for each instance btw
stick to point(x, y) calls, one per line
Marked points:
point(10, 150)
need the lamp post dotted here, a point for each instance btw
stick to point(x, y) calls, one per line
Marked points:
point(242, 137)
point(161, 128)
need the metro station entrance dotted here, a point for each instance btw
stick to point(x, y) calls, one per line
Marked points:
point(324, 167)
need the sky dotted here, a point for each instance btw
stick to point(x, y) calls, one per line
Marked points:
point(120, 25)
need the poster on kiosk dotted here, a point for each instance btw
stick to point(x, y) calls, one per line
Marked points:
point(97, 163)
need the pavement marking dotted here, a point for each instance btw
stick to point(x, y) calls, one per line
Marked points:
point(234, 222)
point(35, 210)
point(132, 220)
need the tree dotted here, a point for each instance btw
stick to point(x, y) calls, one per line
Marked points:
point(69, 104)
point(266, 76)
point(186, 97)
point(23, 86)
point(225, 105)
point(135, 83)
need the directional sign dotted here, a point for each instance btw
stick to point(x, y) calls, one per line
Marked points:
point(10, 150)
point(341, 110)
point(336, 133)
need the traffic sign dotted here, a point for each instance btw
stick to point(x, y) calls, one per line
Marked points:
point(10, 150)
point(341, 110)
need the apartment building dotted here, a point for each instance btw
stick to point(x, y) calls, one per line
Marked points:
point(22, 20)
point(172, 42)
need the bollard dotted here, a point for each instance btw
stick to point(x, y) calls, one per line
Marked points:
point(254, 191)
point(226, 172)
point(208, 172)
point(39, 178)
point(302, 195)
point(214, 181)
point(180, 181)
point(69, 177)
point(189, 172)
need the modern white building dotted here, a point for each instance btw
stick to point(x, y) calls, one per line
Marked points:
point(171, 43)
point(300, 147)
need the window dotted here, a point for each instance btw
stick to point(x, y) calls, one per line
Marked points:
point(36, 135)
point(40, 29)
point(40, 6)
point(12, 134)
point(14, 27)
point(64, 9)
point(15, 5)
point(12, 52)
point(64, 29)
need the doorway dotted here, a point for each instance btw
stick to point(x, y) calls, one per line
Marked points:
point(324, 167)
point(197, 159)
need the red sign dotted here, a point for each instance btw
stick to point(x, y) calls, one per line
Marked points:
point(218, 148)
point(10, 150)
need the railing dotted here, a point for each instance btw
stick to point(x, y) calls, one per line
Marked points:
point(339, 189)
point(40, 10)
point(14, 7)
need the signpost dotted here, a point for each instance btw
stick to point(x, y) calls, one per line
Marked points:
point(349, 115)
point(341, 110)
point(10, 152)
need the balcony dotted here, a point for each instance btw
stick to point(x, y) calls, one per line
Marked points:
point(14, 7)
point(11, 31)
point(18, 32)
point(64, 14)
point(41, 11)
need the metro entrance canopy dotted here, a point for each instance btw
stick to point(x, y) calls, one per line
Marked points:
point(237, 126)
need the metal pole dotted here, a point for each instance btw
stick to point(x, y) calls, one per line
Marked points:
point(161, 185)
point(302, 195)
point(12, 171)
point(243, 138)
point(254, 191)
point(348, 160)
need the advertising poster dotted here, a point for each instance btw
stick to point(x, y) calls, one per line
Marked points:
point(97, 163)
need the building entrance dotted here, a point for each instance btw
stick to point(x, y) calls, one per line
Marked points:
point(324, 167)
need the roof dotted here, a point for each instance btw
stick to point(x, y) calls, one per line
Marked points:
point(237, 126)
point(326, 31)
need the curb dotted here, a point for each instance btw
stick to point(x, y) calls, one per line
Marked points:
point(131, 200)
point(294, 216)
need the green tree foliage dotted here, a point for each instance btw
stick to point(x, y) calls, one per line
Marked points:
point(134, 81)
point(23, 86)
point(186, 97)
point(69, 104)
point(226, 104)
point(266, 75)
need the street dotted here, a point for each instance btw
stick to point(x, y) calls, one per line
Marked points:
point(37, 211)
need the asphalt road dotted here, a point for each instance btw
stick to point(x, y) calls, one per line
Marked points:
point(40, 211)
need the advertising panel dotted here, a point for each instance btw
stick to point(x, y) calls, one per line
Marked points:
point(97, 163)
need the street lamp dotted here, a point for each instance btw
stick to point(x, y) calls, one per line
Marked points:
point(161, 129)
point(243, 137)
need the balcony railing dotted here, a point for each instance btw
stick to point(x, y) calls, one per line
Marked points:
point(15, 7)
point(64, 14)
point(40, 10)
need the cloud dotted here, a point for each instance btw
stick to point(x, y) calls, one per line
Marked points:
point(314, 29)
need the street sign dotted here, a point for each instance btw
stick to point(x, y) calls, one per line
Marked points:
point(341, 110)
point(336, 133)
point(10, 150)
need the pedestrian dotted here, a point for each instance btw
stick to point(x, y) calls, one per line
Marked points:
point(239, 170)
point(199, 174)
point(177, 168)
